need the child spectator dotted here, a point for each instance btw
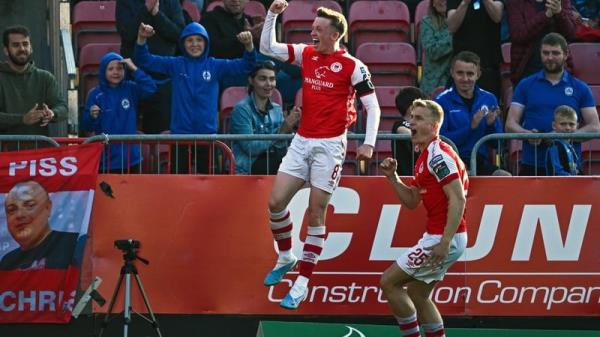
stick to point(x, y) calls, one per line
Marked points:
point(111, 108)
point(195, 78)
point(561, 157)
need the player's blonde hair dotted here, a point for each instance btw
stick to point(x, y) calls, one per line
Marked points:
point(338, 21)
point(437, 113)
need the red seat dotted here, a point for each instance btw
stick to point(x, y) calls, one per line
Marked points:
point(378, 21)
point(390, 64)
point(191, 9)
point(94, 22)
point(253, 8)
point(386, 96)
point(590, 157)
point(230, 97)
point(596, 93)
point(297, 19)
point(89, 62)
point(586, 58)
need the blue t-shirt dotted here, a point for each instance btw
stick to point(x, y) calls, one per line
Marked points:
point(539, 98)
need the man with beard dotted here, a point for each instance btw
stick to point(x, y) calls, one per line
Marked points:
point(536, 97)
point(29, 97)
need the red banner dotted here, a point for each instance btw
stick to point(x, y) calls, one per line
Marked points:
point(531, 248)
point(46, 197)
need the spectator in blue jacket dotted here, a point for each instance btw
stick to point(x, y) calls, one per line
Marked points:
point(257, 114)
point(537, 96)
point(469, 111)
point(112, 107)
point(195, 79)
point(561, 157)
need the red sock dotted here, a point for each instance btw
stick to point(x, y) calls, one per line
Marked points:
point(409, 327)
point(281, 227)
point(313, 246)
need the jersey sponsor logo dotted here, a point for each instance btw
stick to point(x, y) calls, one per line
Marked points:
point(439, 167)
point(315, 58)
point(336, 67)
point(569, 91)
point(316, 83)
point(206, 75)
point(125, 103)
point(321, 72)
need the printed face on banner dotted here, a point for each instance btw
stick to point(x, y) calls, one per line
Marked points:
point(44, 220)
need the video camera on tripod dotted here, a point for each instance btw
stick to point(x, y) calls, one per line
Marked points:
point(130, 248)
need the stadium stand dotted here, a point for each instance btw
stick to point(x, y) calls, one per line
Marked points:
point(586, 58)
point(390, 64)
point(378, 21)
point(94, 22)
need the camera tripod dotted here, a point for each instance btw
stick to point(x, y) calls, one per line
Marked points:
point(127, 270)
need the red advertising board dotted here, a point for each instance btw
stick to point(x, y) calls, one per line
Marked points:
point(531, 248)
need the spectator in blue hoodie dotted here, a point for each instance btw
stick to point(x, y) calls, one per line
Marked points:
point(111, 108)
point(195, 78)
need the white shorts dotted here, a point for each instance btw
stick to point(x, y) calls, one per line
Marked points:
point(318, 161)
point(412, 261)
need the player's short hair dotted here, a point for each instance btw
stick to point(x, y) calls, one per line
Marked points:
point(434, 108)
point(405, 98)
point(467, 57)
point(565, 111)
point(337, 19)
point(18, 29)
point(555, 39)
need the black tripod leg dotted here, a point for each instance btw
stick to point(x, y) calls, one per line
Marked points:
point(111, 305)
point(153, 321)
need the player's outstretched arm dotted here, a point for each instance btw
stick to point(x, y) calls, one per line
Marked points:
point(268, 41)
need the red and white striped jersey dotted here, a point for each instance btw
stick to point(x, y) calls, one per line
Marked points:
point(328, 92)
point(437, 166)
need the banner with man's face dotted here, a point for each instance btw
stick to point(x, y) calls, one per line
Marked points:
point(46, 200)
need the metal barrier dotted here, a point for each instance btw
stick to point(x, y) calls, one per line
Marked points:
point(164, 149)
point(160, 151)
point(25, 142)
point(526, 136)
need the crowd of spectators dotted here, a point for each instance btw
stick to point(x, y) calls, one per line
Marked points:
point(185, 66)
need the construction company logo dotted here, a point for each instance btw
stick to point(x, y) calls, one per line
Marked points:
point(206, 75)
point(321, 72)
point(537, 222)
point(125, 103)
point(353, 332)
